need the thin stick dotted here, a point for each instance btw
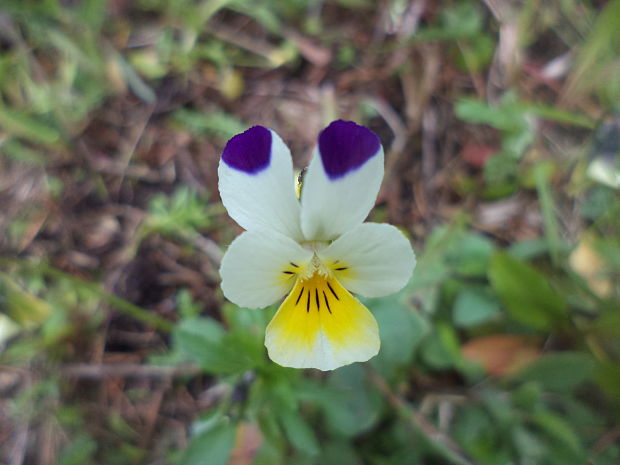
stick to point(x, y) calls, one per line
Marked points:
point(126, 370)
point(447, 444)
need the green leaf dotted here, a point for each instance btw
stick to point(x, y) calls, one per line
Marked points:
point(212, 445)
point(217, 122)
point(401, 330)
point(17, 151)
point(528, 249)
point(298, 431)
point(559, 115)
point(542, 175)
point(476, 111)
point(474, 306)
point(595, 67)
point(529, 446)
point(183, 212)
point(525, 293)
point(339, 453)
point(460, 21)
point(559, 429)
point(19, 124)
point(440, 349)
point(607, 376)
point(560, 372)
point(206, 342)
point(269, 453)
point(24, 308)
point(474, 54)
point(348, 404)
point(135, 82)
point(79, 451)
point(470, 255)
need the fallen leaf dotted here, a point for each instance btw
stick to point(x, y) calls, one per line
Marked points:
point(586, 262)
point(501, 354)
point(477, 154)
point(247, 444)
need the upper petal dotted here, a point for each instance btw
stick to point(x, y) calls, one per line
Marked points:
point(259, 268)
point(342, 181)
point(372, 259)
point(257, 184)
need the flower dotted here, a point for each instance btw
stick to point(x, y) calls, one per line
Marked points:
point(315, 250)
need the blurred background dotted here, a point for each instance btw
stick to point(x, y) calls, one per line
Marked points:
point(500, 121)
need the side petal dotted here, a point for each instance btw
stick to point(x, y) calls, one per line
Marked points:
point(342, 181)
point(259, 268)
point(257, 184)
point(321, 325)
point(372, 259)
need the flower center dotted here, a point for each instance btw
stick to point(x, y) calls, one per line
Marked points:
point(317, 273)
point(316, 293)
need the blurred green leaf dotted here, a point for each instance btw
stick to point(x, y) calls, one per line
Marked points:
point(206, 342)
point(562, 116)
point(298, 431)
point(440, 349)
point(542, 176)
point(349, 404)
point(459, 21)
point(182, 213)
point(212, 445)
point(558, 428)
point(526, 293)
point(470, 255)
point(513, 119)
point(338, 453)
point(19, 124)
point(607, 376)
point(135, 82)
point(17, 151)
point(476, 53)
point(561, 371)
point(24, 308)
point(268, 454)
point(401, 329)
point(8, 329)
point(215, 122)
point(186, 306)
point(528, 249)
point(529, 447)
point(119, 426)
point(506, 116)
point(80, 451)
point(474, 306)
point(597, 67)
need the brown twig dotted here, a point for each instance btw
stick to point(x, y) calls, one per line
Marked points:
point(127, 370)
point(418, 421)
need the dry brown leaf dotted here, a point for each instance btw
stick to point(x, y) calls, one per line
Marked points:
point(247, 444)
point(586, 262)
point(501, 354)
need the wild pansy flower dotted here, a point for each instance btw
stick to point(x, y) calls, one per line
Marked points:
point(315, 250)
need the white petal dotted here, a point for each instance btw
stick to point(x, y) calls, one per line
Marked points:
point(257, 183)
point(342, 181)
point(259, 268)
point(372, 259)
point(321, 325)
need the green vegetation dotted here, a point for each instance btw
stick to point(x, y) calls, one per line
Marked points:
point(502, 136)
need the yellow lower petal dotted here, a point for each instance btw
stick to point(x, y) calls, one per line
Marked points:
point(321, 325)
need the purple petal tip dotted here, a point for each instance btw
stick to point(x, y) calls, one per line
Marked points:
point(345, 146)
point(249, 151)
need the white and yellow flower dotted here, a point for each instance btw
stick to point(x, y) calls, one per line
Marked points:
point(316, 250)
